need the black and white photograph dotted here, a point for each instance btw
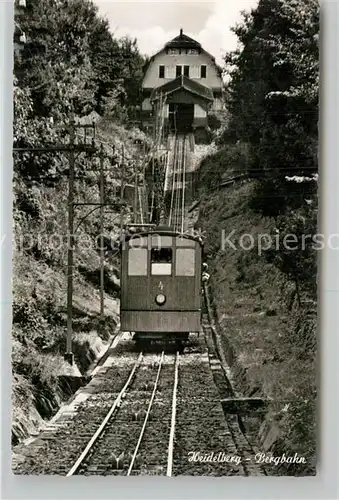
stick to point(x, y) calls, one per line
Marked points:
point(165, 238)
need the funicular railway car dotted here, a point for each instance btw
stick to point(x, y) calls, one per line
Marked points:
point(161, 285)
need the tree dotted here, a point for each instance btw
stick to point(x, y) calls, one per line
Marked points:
point(273, 94)
point(72, 60)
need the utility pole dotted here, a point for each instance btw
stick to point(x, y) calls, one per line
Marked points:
point(102, 255)
point(70, 150)
point(69, 354)
point(122, 189)
point(135, 205)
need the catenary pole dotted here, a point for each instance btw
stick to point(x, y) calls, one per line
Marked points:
point(70, 256)
point(102, 255)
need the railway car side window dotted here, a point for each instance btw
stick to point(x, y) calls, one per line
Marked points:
point(185, 262)
point(161, 261)
point(137, 262)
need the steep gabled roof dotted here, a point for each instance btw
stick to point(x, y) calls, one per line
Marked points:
point(183, 41)
point(183, 82)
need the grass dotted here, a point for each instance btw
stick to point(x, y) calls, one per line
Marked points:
point(264, 332)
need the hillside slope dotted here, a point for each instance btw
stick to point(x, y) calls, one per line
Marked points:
point(41, 377)
point(269, 339)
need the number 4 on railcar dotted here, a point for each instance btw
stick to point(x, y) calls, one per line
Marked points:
point(161, 285)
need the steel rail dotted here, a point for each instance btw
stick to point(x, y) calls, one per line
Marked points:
point(183, 187)
point(179, 163)
point(177, 200)
point(103, 424)
point(180, 215)
point(174, 411)
point(175, 181)
point(146, 417)
point(173, 177)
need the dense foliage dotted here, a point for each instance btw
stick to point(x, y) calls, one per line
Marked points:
point(70, 63)
point(72, 60)
point(271, 136)
point(272, 98)
point(273, 90)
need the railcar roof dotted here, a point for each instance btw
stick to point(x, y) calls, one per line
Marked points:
point(164, 232)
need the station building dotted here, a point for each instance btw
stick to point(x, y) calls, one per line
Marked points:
point(183, 82)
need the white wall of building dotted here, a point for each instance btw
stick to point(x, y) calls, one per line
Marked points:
point(170, 61)
point(199, 112)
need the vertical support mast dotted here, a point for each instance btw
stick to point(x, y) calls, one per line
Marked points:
point(70, 250)
point(122, 189)
point(135, 202)
point(102, 255)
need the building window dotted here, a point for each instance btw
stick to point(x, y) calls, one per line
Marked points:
point(161, 71)
point(170, 72)
point(186, 70)
point(195, 71)
point(203, 72)
point(192, 51)
point(178, 71)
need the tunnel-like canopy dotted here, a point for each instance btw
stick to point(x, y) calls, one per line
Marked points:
point(182, 82)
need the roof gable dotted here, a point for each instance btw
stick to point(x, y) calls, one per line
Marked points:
point(183, 82)
point(185, 42)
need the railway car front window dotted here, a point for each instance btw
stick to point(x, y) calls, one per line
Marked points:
point(185, 262)
point(137, 262)
point(161, 261)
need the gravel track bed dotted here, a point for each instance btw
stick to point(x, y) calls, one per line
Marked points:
point(113, 454)
point(201, 425)
point(48, 454)
point(153, 451)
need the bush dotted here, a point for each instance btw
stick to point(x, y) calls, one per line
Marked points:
point(228, 162)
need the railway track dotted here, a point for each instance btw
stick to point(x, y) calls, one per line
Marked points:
point(177, 183)
point(133, 415)
point(145, 414)
point(81, 461)
point(135, 418)
point(129, 432)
